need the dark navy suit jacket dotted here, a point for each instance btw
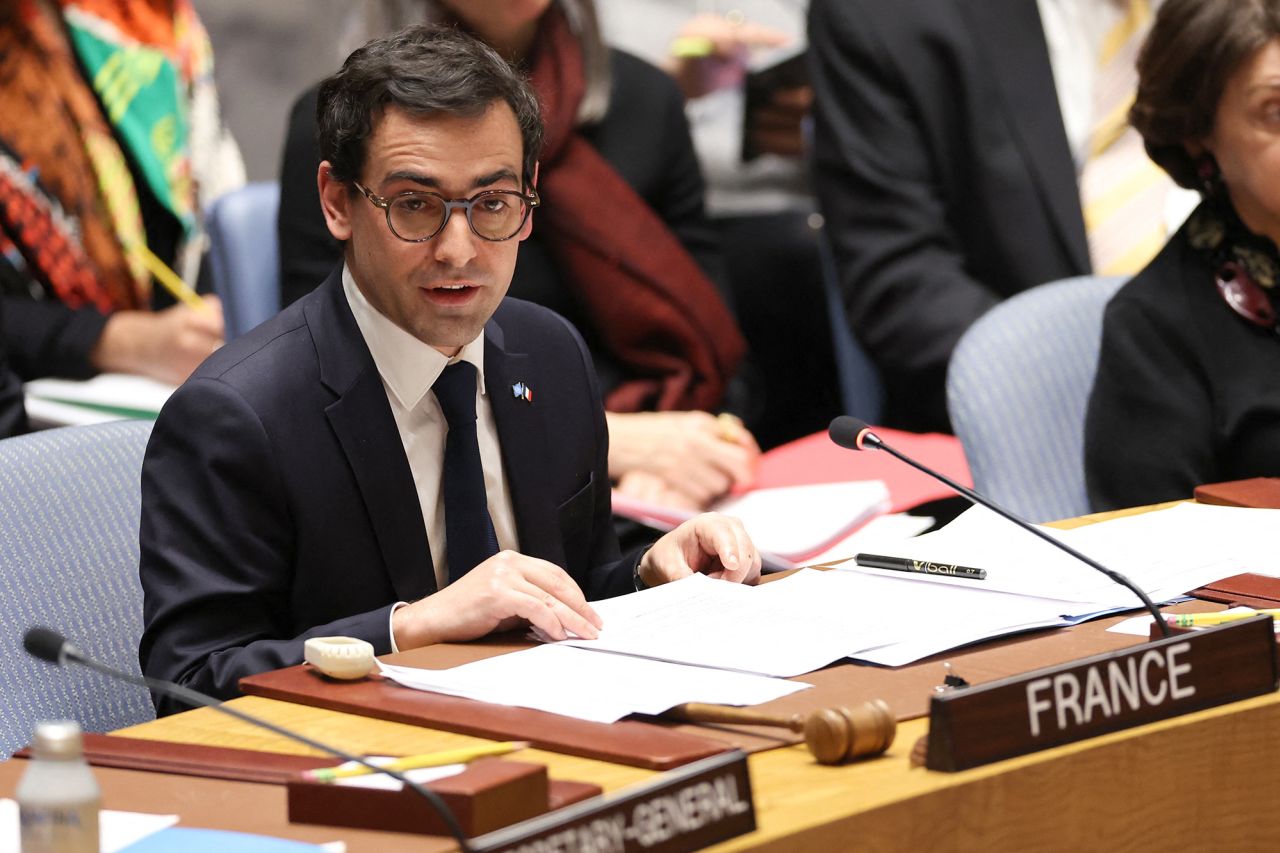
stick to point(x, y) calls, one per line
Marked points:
point(278, 504)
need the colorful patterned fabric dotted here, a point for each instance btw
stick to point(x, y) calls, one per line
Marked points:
point(61, 156)
point(141, 58)
point(79, 79)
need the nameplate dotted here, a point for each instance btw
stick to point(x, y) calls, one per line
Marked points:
point(972, 726)
point(686, 809)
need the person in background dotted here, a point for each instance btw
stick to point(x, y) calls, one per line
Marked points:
point(1188, 383)
point(404, 455)
point(967, 151)
point(622, 247)
point(751, 145)
point(110, 148)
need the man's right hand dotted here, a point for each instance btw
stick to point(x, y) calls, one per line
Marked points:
point(498, 595)
point(165, 345)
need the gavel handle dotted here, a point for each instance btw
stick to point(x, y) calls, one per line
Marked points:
point(698, 712)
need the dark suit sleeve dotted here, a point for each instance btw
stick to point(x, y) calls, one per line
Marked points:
point(13, 417)
point(902, 272)
point(47, 338)
point(308, 252)
point(216, 541)
point(1149, 434)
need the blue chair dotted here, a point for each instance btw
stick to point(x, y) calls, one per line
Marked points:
point(69, 502)
point(244, 254)
point(1017, 389)
point(861, 393)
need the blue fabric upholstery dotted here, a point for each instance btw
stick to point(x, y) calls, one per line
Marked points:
point(69, 502)
point(1017, 389)
point(244, 255)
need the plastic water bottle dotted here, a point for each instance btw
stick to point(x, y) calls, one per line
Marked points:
point(58, 798)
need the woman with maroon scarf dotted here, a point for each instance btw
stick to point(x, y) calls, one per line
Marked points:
point(620, 246)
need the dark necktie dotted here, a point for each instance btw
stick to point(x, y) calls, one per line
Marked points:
point(469, 534)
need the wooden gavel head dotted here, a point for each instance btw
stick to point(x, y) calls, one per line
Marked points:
point(837, 735)
point(833, 735)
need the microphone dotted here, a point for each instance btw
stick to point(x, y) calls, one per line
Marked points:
point(854, 434)
point(48, 645)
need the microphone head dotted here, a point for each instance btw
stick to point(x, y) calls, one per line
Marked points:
point(851, 433)
point(44, 643)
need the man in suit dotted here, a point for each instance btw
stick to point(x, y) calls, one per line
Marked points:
point(945, 174)
point(320, 477)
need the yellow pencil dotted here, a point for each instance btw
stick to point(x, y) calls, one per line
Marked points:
point(1202, 620)
point(168, 279)
point(692, 47)
point(412, 762)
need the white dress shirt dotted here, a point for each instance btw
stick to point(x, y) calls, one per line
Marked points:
point(409, 368)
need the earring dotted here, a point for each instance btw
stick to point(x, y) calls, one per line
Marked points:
point(1209, 175)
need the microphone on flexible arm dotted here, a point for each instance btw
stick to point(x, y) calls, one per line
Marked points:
point(48, 645)
point(854, 434)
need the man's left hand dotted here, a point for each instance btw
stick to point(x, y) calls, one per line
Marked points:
point(715, 545)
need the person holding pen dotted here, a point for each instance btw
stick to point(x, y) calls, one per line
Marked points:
point(104, 173)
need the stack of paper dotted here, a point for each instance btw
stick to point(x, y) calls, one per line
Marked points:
point(710, 641)
point(588, 685)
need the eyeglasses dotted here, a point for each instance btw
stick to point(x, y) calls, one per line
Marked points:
point(1245, 296)
point(494, 215)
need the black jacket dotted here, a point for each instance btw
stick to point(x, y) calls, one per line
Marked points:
point(944, 173)
point(1187, 392)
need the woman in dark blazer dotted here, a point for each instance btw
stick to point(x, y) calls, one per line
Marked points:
point(1188, 384)
point(621, 245)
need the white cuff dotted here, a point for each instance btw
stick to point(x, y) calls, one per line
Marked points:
point(391, 622)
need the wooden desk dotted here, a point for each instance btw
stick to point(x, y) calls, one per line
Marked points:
point(1209, 776)
point(1206, 779)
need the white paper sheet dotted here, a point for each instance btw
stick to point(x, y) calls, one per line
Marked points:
point(783, 628)
point(878, 536)
point(1166, 553)
point(947, 617)
point(383, 782)
point(589, 685)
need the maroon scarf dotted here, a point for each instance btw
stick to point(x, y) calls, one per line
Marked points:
point(656, 311)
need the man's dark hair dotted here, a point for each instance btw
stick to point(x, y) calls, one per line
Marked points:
point(423, 70)
point(1193, 49)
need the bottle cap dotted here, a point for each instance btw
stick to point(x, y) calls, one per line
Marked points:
point(58, 741)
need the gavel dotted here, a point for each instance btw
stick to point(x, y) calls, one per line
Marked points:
point(833, 735)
